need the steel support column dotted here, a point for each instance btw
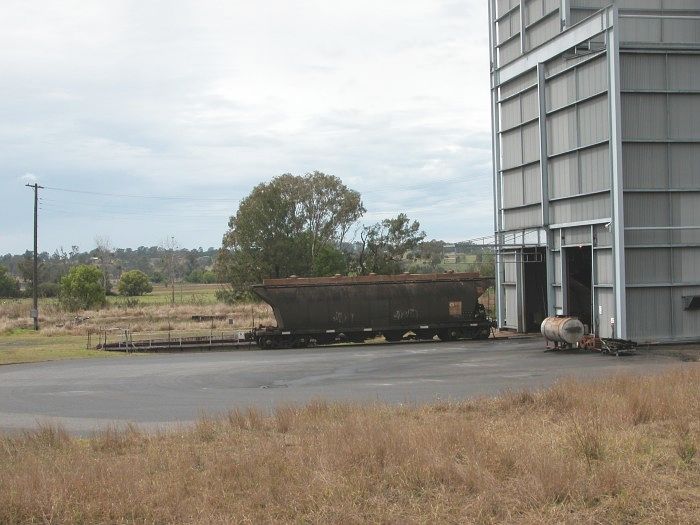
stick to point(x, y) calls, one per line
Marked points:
point(544, 185)
point(618, 225)
point(496, 160)
point(565, 13)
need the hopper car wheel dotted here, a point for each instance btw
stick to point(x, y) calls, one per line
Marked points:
point(449, 334)
point(484, 333)
point(266, 342)
point(424, 335)
point(393, 336)
point(300, 342)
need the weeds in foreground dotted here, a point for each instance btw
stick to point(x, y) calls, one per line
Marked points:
point(578, 452)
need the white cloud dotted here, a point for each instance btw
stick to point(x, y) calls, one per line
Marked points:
point(29, 178)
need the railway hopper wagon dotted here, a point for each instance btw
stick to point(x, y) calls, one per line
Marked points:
point(329, 310)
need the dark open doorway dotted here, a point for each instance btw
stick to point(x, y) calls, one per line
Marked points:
point(535, 281)
point(579, 289)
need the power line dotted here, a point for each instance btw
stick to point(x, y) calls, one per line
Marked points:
point(135, 196)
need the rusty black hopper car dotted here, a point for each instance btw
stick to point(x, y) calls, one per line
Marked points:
point(326, 310)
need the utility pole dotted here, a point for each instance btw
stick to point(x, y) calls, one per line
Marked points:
point(172, 268)
point(35, 278)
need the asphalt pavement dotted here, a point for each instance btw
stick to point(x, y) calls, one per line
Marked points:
point(157, 391)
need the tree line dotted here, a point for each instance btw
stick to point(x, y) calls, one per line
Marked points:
point(306, 226)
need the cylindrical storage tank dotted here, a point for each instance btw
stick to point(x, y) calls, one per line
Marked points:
point(567, 330)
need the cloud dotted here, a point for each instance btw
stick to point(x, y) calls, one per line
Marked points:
point(207, 99)
point(29, 178)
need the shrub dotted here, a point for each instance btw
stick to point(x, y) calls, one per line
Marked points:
point(233, 296)
point(49, 289)
point(82, 288)
point(134, 283)
point(9, 285)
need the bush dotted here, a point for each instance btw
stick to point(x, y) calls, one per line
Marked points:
point(49, 289)
point(233, 296)
point(9, 285)
point(134, 283)
point(201, 277)
point(82, 288)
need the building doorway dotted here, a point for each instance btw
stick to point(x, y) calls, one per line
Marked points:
point(579, 283)
point(535, 288)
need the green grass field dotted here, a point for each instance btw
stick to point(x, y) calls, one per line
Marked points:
point(28, 346)
point(185, 293)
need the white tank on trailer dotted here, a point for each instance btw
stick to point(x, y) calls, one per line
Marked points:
point(562, 330)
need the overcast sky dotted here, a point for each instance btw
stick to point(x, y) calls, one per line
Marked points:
point(196, 102)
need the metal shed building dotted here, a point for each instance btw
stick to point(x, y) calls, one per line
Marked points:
point(596, 153)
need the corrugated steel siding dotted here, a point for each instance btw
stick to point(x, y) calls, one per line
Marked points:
point(605, 299)
point(510, 113)
point(561, 131)
point(511, 149)
point(561, 91)
point(647, 209)
point(521, 218)
point(577, 236)
point(508, 26)
point(684, 72)
point(646, 238)
point(511, 306)
point(687, 322)
point(587, 208)
point(642, 71)
point(640, 30)
point(595, 166)
point(513, 188)
point(685, 209)
point(593, 121)
point(589, 3)
point(686, 265)
point(563, 176)
point(649, 313)
point(644, 116)
point(684, 116)
point(524, 81)
point(502, 6)
point(648, 266)
point(592, 78)
point(603, 235)
point(604, 272)
point(509, 268)
point(509, 51)
point(537, 9)
point(541, 32)
point(645, 166)
point(530, 105)
point(531, 142)
point(532, 185)
point(685, 165)
point(681, 31)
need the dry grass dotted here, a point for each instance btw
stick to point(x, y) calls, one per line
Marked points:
point(619, 450)
point(143, 318)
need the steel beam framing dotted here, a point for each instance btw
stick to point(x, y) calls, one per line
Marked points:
point(585, 30)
